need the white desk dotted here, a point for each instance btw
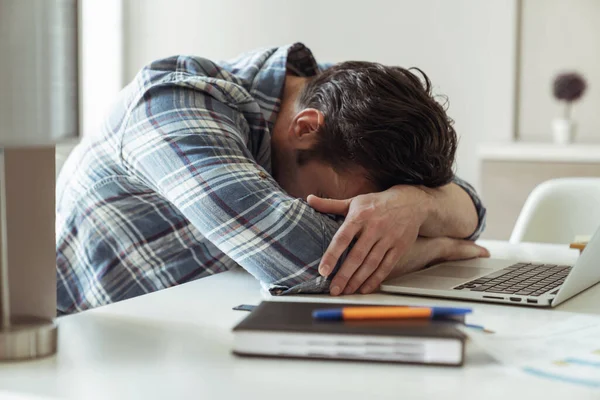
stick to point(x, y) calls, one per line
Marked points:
point(176, 343)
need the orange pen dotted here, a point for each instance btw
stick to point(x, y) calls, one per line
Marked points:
point(386, 312)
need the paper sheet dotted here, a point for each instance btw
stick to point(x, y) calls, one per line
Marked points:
point(567, 350)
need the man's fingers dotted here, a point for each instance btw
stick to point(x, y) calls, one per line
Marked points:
point(357, 255)
point(340, 242)
point(371, 263)
point(386, 267)
point(484, 252)
point(329, 206)
point(464, 249)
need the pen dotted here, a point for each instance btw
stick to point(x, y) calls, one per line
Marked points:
point(479, 328)
point(386, 312)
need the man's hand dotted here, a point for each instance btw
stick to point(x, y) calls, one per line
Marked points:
point(429, 251)
point(385, 224)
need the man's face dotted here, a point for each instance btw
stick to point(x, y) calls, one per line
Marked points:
point(320, 179)
point(296, 132)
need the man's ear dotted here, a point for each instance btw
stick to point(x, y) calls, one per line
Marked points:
point(305, 127)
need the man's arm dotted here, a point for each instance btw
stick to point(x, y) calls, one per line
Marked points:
point(429, 251)
point(455, 211)
point(386, 225)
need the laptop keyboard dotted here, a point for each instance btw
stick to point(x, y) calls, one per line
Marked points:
point(525, 279)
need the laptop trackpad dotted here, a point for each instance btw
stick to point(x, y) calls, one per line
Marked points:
point(456, 271)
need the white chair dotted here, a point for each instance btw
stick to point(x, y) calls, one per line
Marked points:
point(558, 210)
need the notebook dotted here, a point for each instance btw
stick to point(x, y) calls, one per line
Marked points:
point(287, 329)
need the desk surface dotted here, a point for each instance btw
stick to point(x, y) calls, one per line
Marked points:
point(176, 343)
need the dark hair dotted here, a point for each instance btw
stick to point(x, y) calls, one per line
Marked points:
point(384, 119)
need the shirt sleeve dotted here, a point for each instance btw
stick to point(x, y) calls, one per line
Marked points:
point(325, 65)
point(481, 211)
point(181, 146)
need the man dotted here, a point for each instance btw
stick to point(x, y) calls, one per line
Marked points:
point(203, 166)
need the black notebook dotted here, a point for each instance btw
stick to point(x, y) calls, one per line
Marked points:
point(287, 329)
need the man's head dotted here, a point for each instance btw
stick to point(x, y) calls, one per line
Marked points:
point(361, 127)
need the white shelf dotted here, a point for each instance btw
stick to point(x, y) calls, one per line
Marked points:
point(540, 152)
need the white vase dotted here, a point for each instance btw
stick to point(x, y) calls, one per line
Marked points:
point(563, 131)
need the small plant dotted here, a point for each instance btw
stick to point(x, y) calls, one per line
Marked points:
point(569, 87)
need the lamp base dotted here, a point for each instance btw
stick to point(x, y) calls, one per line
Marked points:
point(28, 338)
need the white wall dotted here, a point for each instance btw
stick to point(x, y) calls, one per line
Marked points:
point(466, 47)
point(559, 36)
point(101, 59)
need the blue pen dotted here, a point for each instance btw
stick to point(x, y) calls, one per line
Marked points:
point(386, 312)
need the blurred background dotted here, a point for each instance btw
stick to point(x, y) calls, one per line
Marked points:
point(496, 60)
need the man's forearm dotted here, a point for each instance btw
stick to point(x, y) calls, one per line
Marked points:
point(423, 252)
point(451, 213)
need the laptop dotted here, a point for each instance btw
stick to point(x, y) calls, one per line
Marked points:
point(504, 281)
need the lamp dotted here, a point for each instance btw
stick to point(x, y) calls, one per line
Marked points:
point(38, 108)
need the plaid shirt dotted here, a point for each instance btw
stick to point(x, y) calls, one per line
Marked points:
point(176, 186)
